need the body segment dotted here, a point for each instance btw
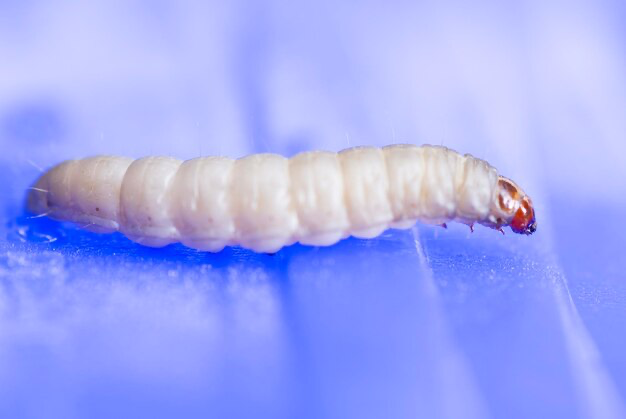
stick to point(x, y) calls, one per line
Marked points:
point(265, 201)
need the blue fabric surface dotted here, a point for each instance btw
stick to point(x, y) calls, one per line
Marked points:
point(420, 323)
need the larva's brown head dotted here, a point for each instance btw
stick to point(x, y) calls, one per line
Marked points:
point(512, 207)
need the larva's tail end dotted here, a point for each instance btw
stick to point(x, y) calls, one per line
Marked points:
point(37, 197)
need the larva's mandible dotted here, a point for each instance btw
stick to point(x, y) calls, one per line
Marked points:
point(265, 201)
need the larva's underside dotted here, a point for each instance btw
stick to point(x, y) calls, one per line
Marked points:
point(265, 201)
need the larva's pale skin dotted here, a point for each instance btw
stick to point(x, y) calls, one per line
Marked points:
point(265, 201)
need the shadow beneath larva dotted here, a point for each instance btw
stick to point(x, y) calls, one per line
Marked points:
point(77, 245)
point(46, 234)
point(452, 255)
point(67, 237)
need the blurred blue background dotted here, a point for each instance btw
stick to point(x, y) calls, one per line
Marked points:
point(422, 323)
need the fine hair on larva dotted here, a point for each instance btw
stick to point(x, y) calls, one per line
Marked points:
point(266, 201)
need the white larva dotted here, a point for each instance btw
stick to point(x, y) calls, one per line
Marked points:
point(265, 201)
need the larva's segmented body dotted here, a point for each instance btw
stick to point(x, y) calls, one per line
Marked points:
point(265, 201)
